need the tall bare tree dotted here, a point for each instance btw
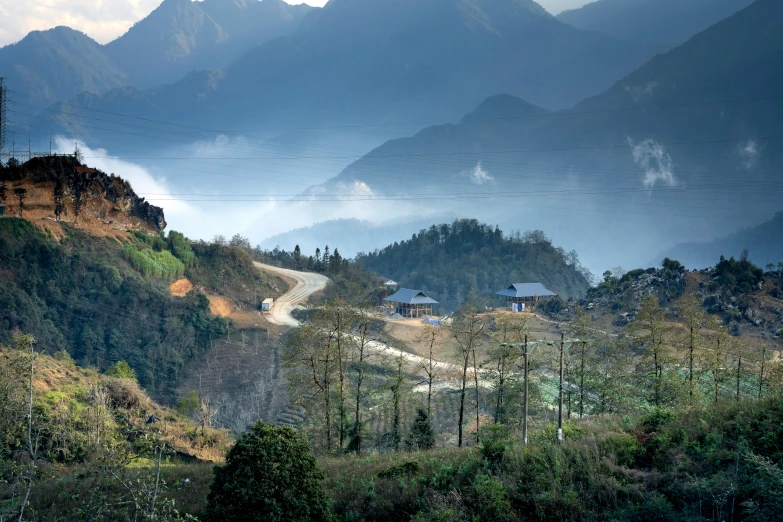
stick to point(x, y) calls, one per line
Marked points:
point(695, 319)
point(650, 332)
point(361, 353)
point(468, 331)
point(311, 358)
point(431, 336)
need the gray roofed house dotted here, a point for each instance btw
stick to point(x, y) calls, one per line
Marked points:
point(520, 293)
point(527, 290)
point(412, 303)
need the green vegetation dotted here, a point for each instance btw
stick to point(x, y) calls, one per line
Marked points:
point(450, 261)
point(738, 277)
point(672, 465)
point(270, 475)
point(154, 264)
point(105, 302)
point(77, 445)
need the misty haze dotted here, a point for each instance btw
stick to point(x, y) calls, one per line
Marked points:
point(258, 257)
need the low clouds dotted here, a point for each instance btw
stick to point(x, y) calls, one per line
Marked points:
point(656, 162)
point(102, 20)
point(750, 152)
point(640, 93)
point(478, 175)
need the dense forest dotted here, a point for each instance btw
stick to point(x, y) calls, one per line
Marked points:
point(103, 301)
point(449, 261)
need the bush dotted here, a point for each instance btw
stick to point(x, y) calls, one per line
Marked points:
point(495, 439)
point(400, 470)
point(270, 475)
point(624, 447)
point(421, 435)
point(122, 370)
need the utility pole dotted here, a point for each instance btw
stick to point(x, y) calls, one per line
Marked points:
point(21, 194)
point(560, 400)
point(761, 374)
point(582, 381)
point(3, 114)
point(524, 418)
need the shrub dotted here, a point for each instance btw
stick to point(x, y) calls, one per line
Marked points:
point(624, 447)
point(421, 435)
point(400, 470)
point(122, 370)
point(495, 439)
point(270, 475)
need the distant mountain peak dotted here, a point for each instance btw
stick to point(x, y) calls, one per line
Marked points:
point(504, 106)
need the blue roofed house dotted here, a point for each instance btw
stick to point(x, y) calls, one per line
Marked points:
point(520, 295)
point(412, 303)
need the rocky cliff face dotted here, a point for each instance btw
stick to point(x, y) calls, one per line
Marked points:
point(89, 198)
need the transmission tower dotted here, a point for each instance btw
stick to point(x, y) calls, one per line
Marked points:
point(3, 114)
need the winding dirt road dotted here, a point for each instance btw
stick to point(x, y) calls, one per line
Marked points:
point(307, 284)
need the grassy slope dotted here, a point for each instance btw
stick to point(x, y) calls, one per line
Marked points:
point(63, 392)
point(82, 294)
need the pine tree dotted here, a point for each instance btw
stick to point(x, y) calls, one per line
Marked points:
point(326, 259)
point(297, 258)
point(421, 435)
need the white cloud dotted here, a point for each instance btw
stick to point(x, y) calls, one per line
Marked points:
point(478, 175)
point(640, 93)
point(103, 20)
point(750, 152)
point(656, 162)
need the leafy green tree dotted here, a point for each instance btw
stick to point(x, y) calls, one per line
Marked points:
point(122, 370)
point(189, 405)
point(270, 475)
point(421, 435)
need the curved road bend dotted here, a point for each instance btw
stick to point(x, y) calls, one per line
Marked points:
point(307, 284)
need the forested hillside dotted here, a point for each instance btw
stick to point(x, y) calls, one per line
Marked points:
point(450, 261)
point(104, 301)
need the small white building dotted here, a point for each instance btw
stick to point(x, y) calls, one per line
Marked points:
point(267, 304)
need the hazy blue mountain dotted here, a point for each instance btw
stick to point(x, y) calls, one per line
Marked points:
point(59, 63)
point(350, 236)
point(669, 22)
point(181, 35)
point(386, 61)
point(672, 140)
point(762, 241)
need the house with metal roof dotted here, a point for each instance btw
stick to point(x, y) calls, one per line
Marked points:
point(520, 295)
point(412, 303)
point(388, 282)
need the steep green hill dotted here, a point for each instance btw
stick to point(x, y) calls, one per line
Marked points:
point(104, 301)
point(449, 261)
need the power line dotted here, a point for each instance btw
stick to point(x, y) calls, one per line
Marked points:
point(566, 113)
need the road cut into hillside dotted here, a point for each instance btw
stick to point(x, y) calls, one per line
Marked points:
point(307, 284)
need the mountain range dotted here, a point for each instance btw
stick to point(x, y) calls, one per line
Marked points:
point(692, 133)
point(668, 22)
point(177, 37)
point(377, 61)
point(761, 241)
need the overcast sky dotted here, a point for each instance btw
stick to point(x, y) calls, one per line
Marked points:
point(105, 20)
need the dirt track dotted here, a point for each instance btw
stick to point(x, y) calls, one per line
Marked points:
point(307, 284)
